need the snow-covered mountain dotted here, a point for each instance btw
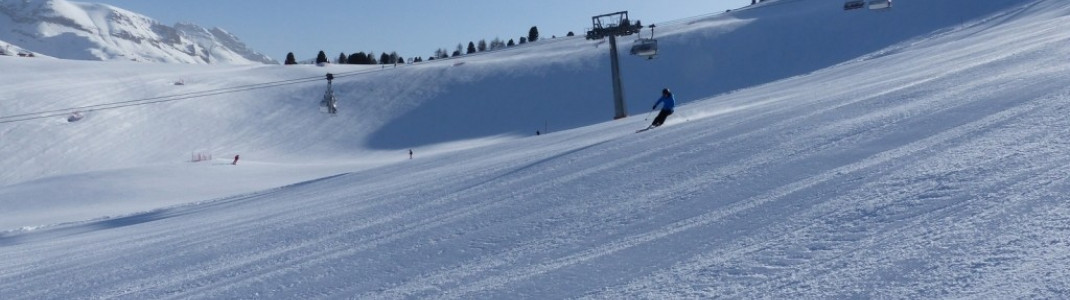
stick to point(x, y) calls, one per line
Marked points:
point(92, 31)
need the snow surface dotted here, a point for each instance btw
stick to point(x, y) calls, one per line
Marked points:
point(917, 152)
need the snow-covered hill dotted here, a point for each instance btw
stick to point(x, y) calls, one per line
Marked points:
point(91, 31)
point(918, 152)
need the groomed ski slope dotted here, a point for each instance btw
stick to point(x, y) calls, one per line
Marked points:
point(931, 166)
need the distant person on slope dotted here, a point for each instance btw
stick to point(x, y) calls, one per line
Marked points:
point(667, 104)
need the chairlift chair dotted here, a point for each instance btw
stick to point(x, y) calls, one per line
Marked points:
point(646, 47)
point(880, 4)
point(75, 117)
point(854, 4)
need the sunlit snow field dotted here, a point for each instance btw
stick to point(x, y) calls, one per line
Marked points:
point(916, 152)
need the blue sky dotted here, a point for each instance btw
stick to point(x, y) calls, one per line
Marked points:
point(409, 27)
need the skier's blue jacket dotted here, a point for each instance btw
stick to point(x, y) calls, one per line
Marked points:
point(668, 102)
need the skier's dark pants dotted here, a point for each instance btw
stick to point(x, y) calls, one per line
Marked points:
point(661, 117)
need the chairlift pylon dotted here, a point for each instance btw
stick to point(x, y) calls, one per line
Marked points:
point(646, 47)
point(329, 102)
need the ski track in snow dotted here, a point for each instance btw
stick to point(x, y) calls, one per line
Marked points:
point(691, 223)
point(851, 233)
point(738, 208)
point(935, 168)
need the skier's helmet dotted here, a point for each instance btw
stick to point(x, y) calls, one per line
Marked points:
point(665, 92)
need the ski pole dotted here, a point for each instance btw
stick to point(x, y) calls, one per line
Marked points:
point(648, 115)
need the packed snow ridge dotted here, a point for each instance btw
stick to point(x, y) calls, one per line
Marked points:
point(914, 152)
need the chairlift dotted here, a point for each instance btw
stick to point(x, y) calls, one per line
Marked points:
point(329, 102)
point(646, 47)
point(880, 4)
point(854, 4)
point(75, 117)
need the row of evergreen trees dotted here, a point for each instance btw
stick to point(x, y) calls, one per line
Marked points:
point(393, 57)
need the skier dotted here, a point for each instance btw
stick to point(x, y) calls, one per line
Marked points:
point(235, 162)
point(410, 153)
point(667, 104)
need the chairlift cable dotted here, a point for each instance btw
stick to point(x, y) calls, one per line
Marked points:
point(168, 98)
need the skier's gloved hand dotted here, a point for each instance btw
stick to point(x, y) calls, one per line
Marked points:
point(654, 107)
